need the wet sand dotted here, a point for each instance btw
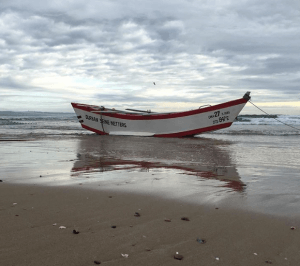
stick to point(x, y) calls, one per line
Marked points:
point(95, 185)
point(31, 216)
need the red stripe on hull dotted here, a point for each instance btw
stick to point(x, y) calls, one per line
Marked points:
point(94, 130)
point(172, 135)
point(193, 132)
point(164, 116)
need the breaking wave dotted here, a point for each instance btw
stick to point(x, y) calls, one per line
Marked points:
point(268, 119)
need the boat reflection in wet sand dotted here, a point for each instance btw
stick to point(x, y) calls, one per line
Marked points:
point(203, 158)
point(133, 122)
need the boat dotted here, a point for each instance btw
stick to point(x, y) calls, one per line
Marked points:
point(132, 122)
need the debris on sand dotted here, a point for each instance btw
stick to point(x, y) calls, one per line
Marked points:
point(201, 241)
point(185, 219)
point(178, 256)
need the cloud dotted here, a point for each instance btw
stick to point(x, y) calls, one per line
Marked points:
point(195, 51)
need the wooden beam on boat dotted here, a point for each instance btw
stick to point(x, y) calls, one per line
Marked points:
point(141, 111)
point(112, 111)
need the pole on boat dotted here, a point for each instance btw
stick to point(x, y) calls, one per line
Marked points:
point(134, 110)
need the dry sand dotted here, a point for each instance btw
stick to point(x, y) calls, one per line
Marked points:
point(31, 216)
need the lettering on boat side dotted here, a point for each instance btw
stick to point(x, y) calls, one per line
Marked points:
point(117, 124)
point(89, 117)
point(223, 118)
point(105, 121)
point(112, 123)
point(216, 114)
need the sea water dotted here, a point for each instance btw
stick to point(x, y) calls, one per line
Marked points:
point(254, 164)
point(44, 124)
point(38, 125)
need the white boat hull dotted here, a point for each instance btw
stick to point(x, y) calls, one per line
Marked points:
point(179, 124)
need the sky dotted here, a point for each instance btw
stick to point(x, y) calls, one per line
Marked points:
point(111, 52)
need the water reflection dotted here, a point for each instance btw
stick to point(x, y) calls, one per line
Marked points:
point(202, 158)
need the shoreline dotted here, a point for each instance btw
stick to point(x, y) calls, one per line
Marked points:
point(232, 237)
point(241, 173)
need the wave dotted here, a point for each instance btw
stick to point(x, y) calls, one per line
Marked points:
point(258, 116)
point(14, 123)
point(34, 114)
point(19, 118)
point(268, 119)
point(257, 133)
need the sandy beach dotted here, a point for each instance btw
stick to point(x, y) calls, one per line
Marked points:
point(192, 196)
point(31, 217)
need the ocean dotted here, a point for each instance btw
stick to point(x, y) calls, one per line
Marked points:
point(46, 124)
point(253, 165)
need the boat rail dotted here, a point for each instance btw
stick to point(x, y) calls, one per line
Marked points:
point(208, 105)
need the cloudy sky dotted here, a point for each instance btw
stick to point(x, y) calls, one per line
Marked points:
point(109, 52)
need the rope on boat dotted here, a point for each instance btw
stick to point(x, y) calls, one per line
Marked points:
point(102, 122)
point(273, 117)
